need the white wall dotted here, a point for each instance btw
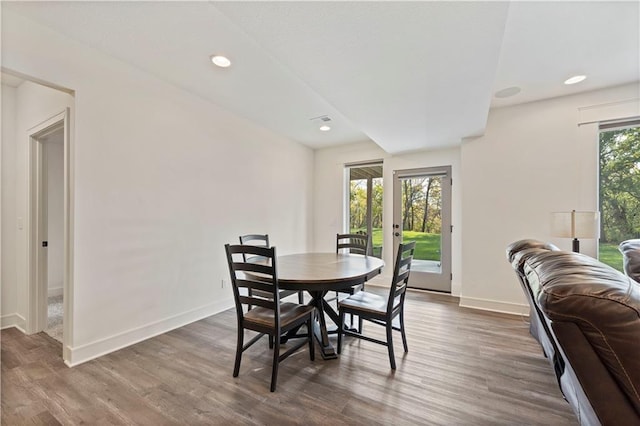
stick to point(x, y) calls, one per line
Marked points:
point(55, 213)
point(8, 295)
point(532, 160)
point(329, 195)
point(162, 179)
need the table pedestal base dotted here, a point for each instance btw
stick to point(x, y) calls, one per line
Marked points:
point(320, 332)
point(320, 328)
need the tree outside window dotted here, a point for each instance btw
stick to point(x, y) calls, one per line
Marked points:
point(619, 191)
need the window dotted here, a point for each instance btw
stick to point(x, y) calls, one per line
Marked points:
point(365, 202)
point(619, 188)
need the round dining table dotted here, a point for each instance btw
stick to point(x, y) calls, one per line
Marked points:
point(319, 273)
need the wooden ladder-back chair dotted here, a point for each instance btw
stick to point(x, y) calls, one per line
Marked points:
point(354, 243)
point(269, 316)
point(357, 243)
point(262, 240)
point(378, 309)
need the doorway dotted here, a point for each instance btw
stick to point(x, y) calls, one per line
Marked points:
point(48, 245)
point(422, 213)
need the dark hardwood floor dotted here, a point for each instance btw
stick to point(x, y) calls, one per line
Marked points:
point(464, 367)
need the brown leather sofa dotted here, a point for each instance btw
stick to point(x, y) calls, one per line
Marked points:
point(586, 316)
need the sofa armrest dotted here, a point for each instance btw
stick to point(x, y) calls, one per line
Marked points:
point(602, 302)
point(598, 399)
point(524, 245)
point(630, 250)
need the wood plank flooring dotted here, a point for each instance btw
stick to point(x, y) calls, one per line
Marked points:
point(464, 367)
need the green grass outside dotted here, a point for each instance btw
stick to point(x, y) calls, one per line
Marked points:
point(610, 255)
point(427, 245)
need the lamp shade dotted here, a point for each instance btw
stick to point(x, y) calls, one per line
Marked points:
point(575, 224)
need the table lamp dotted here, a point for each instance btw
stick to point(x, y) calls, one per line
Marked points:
point(575, 225)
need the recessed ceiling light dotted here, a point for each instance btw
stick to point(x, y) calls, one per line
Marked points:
point(221, 61)
point(509, 91)
point(575, 79)
point(323, 121)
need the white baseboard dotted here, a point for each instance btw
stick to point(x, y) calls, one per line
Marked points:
point(13, 320)
point(494, 306)
point(56, 291)
point(77, 355)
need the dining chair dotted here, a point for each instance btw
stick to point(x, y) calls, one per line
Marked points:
point(356, 243)
point(378, 309)
point(262, 240)
point(269, 316)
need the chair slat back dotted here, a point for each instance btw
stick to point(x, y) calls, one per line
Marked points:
point(255, 240)
point(353, 243)
point(401, 273)
point(246, 273)
point(260, 240)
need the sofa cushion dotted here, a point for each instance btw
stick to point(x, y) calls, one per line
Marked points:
point(602, 302)
point(630, 250)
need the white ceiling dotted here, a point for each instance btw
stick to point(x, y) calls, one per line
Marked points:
point(407, 75)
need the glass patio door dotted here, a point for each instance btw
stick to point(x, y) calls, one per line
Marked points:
point(422, 213)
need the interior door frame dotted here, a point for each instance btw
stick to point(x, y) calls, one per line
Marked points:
point(37, 291)
point(442, 281)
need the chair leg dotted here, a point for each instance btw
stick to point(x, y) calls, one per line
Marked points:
point(404, 335)
point(301, 298)
point(392, 358)
point(240, 343)
point(340, 330)
point(270, 342)
point(276, 355)
point(312, 349)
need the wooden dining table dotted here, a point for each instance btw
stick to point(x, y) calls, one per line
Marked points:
point(319, 273)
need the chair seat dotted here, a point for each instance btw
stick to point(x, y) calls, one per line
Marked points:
point(365, 302)
point(289, 313)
